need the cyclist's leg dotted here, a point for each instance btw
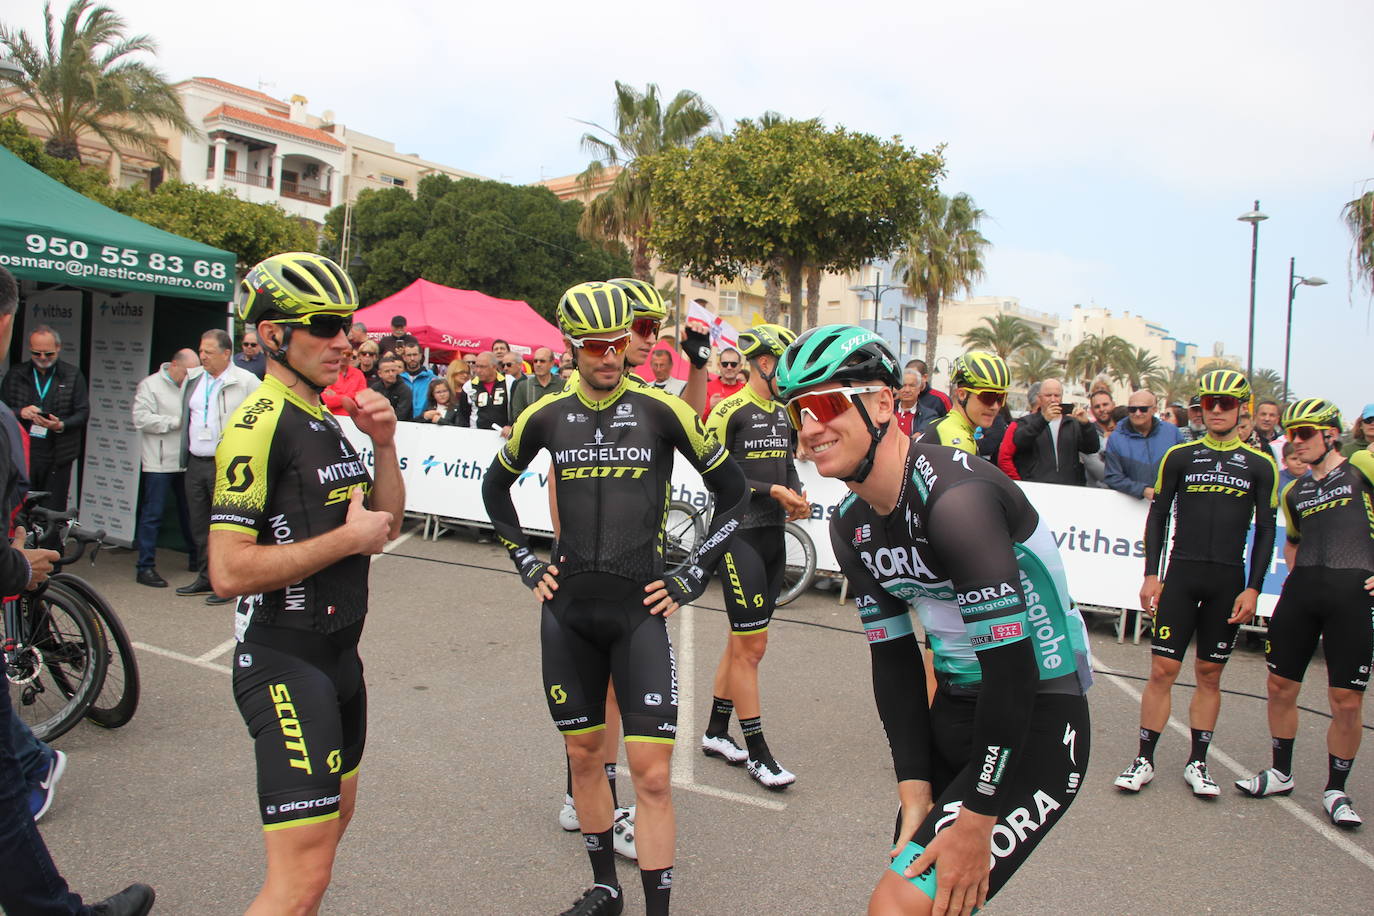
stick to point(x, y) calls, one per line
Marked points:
point(1216, 638)
point(1174, 624)
point(1288, 647)
point(1348, 641)
point(610, 747)
point(754, 583)
point(353, 715)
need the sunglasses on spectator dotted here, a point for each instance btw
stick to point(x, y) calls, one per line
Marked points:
point(43, 354)
point(508, 365)
point(824, 406)
point(323, 326)
point(990, 398)
point(1220, 402)
point(539, 360)
point(729, 364)
point(250, 343)
point(598, 347)
point(646, 327)
point(1303, 433)
point(1140, 408)
point(1369, 419)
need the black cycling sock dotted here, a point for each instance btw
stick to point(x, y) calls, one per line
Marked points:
point(601, 850)
point(658, 886)
point(753, 737)
point(720, 716)
point(1337, 769)
point(568, 763)
point(1201, 739)
point(610, 777)
point(1148, 740)
point(1283, 755)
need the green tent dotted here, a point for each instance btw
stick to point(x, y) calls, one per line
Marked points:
point(52, 234)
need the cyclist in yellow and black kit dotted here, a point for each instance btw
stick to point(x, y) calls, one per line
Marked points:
point(753, 426)
point(604, 593)
point(981, 382)
point(291, 532)
point(1328, 595)
point(1213, 486)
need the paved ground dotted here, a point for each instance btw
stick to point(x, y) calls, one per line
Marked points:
point(464, 773)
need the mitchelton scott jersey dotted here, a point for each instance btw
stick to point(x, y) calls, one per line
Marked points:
point(613, 462)
point(759, 437)
point(284, 472)
point(937, 551)
point(1332, 520)
point(1214, 489)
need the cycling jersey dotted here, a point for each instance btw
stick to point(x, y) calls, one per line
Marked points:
point(1214, 489)
point(759, 437)
point(968, 550)
point(954, 429)
point(284, 473)
point(1332, 520)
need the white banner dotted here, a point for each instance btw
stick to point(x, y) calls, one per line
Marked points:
point(1100, 533)
point(121, 330)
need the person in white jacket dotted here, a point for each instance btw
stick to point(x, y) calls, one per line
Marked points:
point(157, 416)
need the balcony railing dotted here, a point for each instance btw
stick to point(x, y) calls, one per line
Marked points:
point(261, 181)
point(297, 191)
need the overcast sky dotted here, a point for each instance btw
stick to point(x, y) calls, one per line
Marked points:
point(1112, 144)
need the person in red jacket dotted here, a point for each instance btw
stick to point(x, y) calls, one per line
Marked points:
point(351, 381)
point(1006, 450)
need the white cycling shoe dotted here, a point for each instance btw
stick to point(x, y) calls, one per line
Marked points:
point(1339, 809)
point(770, 775)
point(623, 833)
point(1196, 776)
point(1136, 776)
point(1265, 783)
point(567, 818)
point(724, 747)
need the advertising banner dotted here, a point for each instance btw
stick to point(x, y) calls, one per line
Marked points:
point(59, 309)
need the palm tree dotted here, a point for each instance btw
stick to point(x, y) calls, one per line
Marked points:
point(1094, 355)
point(1359, 217)
point(1266, 385)
point(1034, 364)
point(1003, 335)
point(1178, 387)
point(1138, 368)
point(942, 255)
point(642, 127)
point(83, 81)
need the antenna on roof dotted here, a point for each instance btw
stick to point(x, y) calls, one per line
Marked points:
point(263, 85)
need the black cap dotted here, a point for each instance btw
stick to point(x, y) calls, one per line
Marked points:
point(1196, 401)
point(398, 321)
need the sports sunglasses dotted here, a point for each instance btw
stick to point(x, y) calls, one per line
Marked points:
point(824, 406)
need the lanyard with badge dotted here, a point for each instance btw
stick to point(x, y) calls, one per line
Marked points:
point(36, 431)
point(205, 433)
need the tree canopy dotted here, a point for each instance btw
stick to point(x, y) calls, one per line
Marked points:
point(508, 241)
point(1004, 335)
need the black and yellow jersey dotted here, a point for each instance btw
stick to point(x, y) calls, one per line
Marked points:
point(1214, 489)
point(612, 460)
point(954, 430)
point(283, 473)
point(758, 436)
point(1332, 520)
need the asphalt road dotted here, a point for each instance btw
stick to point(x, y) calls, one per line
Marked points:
point(463, 775)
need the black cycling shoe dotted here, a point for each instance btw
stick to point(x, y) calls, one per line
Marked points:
point(598, 900)
point(134, 900)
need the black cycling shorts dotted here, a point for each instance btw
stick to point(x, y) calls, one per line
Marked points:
point(1198, 597)
point(1327, 603)
point(1043, 785)
point(597, 628)
point(302, 696)
point(751, 577)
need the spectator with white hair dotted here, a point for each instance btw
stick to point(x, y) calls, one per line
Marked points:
point(157, 416)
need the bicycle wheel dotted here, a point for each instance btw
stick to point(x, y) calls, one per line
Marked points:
point(684, 527)
point(801, 562)
point(58, 667)
point(118, 698)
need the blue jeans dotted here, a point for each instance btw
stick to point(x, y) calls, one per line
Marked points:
point(156, 486)
point(35, 758)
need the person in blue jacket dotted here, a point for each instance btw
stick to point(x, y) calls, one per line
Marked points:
point(1137, 446)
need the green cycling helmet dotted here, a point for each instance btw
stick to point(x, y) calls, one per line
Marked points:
point(765, 340)
point(836, 353)
point(1224, 382)
point(981, 370)
point(645, 299)
point(1312, 412)
point(589, 309)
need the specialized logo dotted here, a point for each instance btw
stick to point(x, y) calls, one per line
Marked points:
point(558, 694)
point(1071, 741)
point(290, 728)
point(239, 474)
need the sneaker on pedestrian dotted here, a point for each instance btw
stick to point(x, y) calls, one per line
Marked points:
point(134, 900)
point(1136, 776)
point(41, 795)
point(150, 578)
point(598, 900)
point(567, 818)
point(770, 774)
point(1196, 776)
point(623, 833)
point(1265, 783)
point(1340, 809)
point(724, 747)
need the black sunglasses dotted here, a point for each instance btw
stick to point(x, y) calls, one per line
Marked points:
point(320, 325)
point(729, 365)
point(43, 354)
point(1140, 409)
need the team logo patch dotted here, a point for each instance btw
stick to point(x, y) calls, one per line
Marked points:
point(239, 474)
point(876, 634)
point(862, 534)
point(1007, 630)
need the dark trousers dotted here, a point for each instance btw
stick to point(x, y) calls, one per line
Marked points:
point(32, 884)
point(47, 475)
point(200, 493)
point(35, 758)
point(157, 486)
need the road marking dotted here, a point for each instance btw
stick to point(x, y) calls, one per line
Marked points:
point(188, 659)
point(396, 543)
point(1362, 856)
point(218, 650)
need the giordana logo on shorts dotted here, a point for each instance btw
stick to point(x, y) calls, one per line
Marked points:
point(309, 804)
point(994, 766)
point(245, 660)
point(653, 699)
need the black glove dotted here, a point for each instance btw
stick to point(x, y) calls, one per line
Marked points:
point(697, 346)
point(530, 567)
point(687, 586)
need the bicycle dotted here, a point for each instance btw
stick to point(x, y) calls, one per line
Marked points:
point(685, 527)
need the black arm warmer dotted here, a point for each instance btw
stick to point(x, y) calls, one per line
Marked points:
point(899, 690)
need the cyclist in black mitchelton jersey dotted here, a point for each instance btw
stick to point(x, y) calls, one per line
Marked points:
point(1329, 594)
point(987, 769)
point(753, 426)
point(291, 532)
point(1214, 486)
point(611, 444)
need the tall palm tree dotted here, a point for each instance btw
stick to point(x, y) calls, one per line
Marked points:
point(642, 126)
point(1138, 368)
point(1178, 387)
point(1359, 217)
point(942, 255)
point(1266, 384)
point(1034, 364)
point(1094, 355)
point(84, 80)
point(1003, 335)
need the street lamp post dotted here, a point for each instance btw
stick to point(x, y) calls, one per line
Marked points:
point(1254, 218)
point(877, 289)
point(1294, 281)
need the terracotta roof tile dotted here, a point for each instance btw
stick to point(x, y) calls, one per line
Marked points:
point(244, 90)
point(244, 116)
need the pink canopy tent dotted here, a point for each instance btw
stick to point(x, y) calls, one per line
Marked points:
point(452, 321)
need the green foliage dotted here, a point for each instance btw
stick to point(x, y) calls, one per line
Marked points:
point(941, 255)
point(84, 79)
point(1003, 335)
point(508, 241)
point(1359, 218)
point(1138, 368)
point(1034, 364)
point(1178, 387)
point(83, 179)
point(1267, 384)
point(1094, 355)
point(787, 196)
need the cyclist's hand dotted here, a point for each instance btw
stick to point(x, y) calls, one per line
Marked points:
point(373, 414)
point(963, 851)
point(1244, 608)
point(1369, 585)
point(696, 343)
point(795, 504)
point(538, 576)
point(916, 804)
point(370, 529)
point(1149, 594)
point(40, 561)
point(667, 595)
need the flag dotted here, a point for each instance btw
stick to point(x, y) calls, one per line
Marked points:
point(723, 334)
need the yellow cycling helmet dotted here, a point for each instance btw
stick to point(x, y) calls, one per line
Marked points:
point(645, 299)
point(296, 283)
point(765, 340)
point(589, 309)
point(1312, 412)
point(1224, 382)
point(981, 370)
